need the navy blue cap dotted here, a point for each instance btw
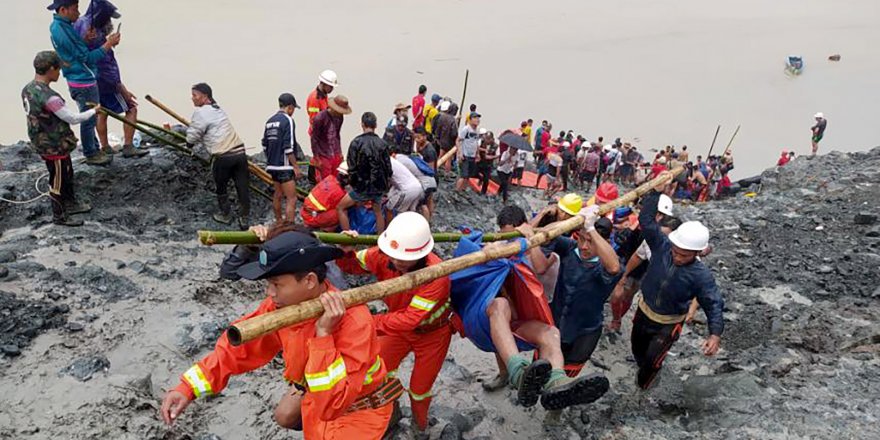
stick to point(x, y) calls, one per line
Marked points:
point(435, 98)
point(61, 3)
point(290, 252)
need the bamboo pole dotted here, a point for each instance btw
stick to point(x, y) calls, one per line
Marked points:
point(712, 147)
point(180, 148)
point(174, 134)
point(210, 238)
point(731, 141)
point(263, 324)
point(467, 73)
point(167, 110)
point(449, 155)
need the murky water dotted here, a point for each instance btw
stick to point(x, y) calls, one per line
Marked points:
point(659, 72)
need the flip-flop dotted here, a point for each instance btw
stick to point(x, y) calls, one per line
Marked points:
point(533, 380)
point(585, 389)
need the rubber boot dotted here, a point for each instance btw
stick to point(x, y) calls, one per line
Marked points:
point(223, 216)
point(65, 220)
point(71, 208)
point(563, 392)
point(130, 151)
point(99, 159)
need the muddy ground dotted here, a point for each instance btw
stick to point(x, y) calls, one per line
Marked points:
point(98, 321)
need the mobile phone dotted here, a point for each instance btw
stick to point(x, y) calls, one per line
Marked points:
point(119, 28)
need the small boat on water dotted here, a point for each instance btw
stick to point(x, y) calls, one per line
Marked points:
point(794, 65)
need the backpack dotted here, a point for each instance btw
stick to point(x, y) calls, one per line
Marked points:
point(423, 166)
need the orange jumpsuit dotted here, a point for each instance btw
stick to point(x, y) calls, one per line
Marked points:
point(336, 370)
point(417, 321)
point(316, 102)
point(319, 208)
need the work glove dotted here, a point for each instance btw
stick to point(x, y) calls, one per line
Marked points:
point(590, 215)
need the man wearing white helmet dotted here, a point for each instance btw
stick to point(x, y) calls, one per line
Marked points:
point(418, 320)
point(818, 130)
point(674, 278)
point(318, 98)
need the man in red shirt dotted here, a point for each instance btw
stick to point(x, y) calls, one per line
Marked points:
point(658, 167)
point(417, 320)
point(317, 100)
point(783, 159)
point(418, 107)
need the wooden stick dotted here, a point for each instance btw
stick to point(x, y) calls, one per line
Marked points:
point(731, 140)
point(712, 147)
point(467, 73)
point(449, 155)
point(167, 110)
point(264, 324)
point(210, 238)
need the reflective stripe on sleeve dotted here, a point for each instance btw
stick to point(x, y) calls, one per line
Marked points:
point(422, 304)
point(196, 379)
point(362, 258)
point(315, 202)
point(314, 110)
point(369, 378)
point(325, 380)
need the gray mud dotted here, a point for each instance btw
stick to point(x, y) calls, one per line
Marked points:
point(99, 321)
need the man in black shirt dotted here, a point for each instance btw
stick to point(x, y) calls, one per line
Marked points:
point(369, 171)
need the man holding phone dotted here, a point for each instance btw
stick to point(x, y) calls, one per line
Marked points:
point(94, 27)
point(79, 66)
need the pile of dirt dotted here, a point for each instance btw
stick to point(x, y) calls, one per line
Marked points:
point(105, 317)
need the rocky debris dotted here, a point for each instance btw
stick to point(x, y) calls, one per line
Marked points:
point(84, 368)
point(22, 320)
point(864, 218)
point(101, 282)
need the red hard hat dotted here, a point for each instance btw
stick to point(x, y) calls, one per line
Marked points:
point(606, 192)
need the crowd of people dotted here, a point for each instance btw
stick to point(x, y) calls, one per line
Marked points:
point(343, 365)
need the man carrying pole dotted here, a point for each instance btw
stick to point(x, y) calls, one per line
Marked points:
point(211, 127)
point(334, 359)
point(417, 320)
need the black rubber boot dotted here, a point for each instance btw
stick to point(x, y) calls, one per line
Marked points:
point(583, 390)
point(533, 379)
point(77, 208)
point(67, 221)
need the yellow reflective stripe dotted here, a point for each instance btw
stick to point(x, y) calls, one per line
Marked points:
point(391, 374)
point(362, 258)
point(314, 110)
point(418, 397)
point(315, 202)
point(326, 379)
point(422, 304)
point(196, 379)
point(369, 378)
point(437, 314)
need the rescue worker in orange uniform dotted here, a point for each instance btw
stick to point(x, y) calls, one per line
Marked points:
point(334, 358)
point(319, 208)
point(317, 100)
point(418, 320)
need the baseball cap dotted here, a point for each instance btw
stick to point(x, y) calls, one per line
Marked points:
point(290, 252)
point(61, 3)
point(475, 115)
point(435, 98)
point(287, 99)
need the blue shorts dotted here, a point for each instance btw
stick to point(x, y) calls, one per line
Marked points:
point(112, 100)
point(363, 198)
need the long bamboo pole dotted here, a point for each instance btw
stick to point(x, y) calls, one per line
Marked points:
point(167, 110)
point(263, 324)
point(180, 148)
point(449, 155)
point(210, 238)
point(712, 147)
point(726, 149)
point(467, 73)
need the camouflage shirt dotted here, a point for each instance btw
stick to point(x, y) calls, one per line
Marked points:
point(50, 136)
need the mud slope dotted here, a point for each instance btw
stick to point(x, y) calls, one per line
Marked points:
point(98, 321)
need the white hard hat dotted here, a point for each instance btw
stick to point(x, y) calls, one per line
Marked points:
point(664, 205)
point(343, 168)
point(819, 115)
point(607, 147)
point(483, 131)
point(328, 77)
point(408, 237)
point(444, 106)
point(692, 236)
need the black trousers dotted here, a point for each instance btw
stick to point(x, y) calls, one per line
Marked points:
point(60, 184)
point(650, 343)
point(485, 172)
point(503, 185)
point(232, 167)
point(579, 351)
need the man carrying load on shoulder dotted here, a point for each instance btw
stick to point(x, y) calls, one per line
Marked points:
point(417, 320)
point(334, 359)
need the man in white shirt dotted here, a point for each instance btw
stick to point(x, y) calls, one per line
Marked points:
point(406, 190)
point(467, 144)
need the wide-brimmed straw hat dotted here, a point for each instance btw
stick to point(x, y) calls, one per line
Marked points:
point(339, 103)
